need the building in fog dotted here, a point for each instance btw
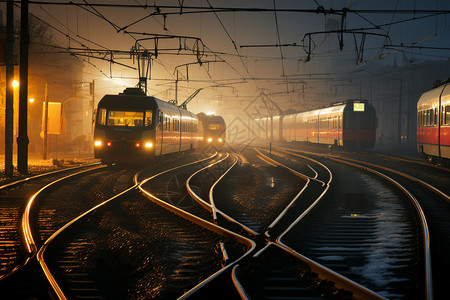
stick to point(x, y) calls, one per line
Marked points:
point(54, 76)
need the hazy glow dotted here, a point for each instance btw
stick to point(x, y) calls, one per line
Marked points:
point(15, 83)
point(31, 100)
point(210, 113)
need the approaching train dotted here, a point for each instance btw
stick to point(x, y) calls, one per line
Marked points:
point(351, 124)
point(131, 126)
point(433, 124)
point(212, 130)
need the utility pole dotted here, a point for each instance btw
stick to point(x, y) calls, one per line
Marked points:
point(9, 108)
point(22, 139)
point(45, 125)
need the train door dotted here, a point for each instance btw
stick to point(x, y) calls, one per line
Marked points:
point(339, 128)
point(159, 133)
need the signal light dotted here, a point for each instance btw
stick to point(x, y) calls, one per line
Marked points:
point(138, 145)
point(108, 144)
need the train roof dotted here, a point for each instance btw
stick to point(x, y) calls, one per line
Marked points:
point(430, 99)
point(210, 118)
point(134, 98)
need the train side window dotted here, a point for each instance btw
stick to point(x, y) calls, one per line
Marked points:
point(435, 116)
point(446, 118)
point(148, 118)
point(101, 117)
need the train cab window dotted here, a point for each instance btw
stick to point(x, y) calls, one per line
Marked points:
point(101, 119)
point(125, 118)
point(148, 118)
point(213, 126)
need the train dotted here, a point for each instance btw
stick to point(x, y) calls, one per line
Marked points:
point(131, 126)
point(433, 124)
point(212, 130)
point(350, 124)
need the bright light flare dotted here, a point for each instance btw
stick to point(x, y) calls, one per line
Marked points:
point(31, 100)
point(98, 143)
point(148, 145)
point(209, 140)
point(15, 83)
point(220, 140)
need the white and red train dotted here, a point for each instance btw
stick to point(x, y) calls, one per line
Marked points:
point(131, 126)
point(212, 130)
point(351, 124)
point(433, 125)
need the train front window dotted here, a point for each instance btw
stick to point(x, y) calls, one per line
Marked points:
point(213, 126)
point(125, 118)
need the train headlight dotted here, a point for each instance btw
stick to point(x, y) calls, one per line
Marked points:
point(148, 145)
point(209, 140)
point(220, 140)
point(98, 143)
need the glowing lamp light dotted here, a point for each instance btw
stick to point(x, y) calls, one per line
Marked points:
point(220, 140)
point(15, 83)
point(31, 100)
point(97, 143)
point(148, 145)
point(138, 145)
point(108, 144)
point(209, 140)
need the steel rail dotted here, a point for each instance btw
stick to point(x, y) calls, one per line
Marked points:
point(359, 291)
point(211, 206)
point(423, 222)
point(204, 224)
point(412, 178)
point(26, 227)
point(40, 254)
point(427, 254)
point(194, 195)
point(17, 182)
point(283, 213)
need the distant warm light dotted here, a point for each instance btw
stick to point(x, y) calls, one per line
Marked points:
point(209, 140)
point(210, 113)
point(138, 145)
point(98, 143)
point(220, 140)
point(148, 145)
point(108, 144)
point(31, 100)
point(15, 83)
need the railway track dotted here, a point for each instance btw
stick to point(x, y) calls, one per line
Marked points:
point(192, 240)
point(320, 249)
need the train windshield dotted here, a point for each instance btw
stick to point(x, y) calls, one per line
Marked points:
point(213, 126)
point(122, 118)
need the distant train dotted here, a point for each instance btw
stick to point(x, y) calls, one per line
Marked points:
point(351, 124)
point(131, 126)
point(212, 130)
point(433, 124)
